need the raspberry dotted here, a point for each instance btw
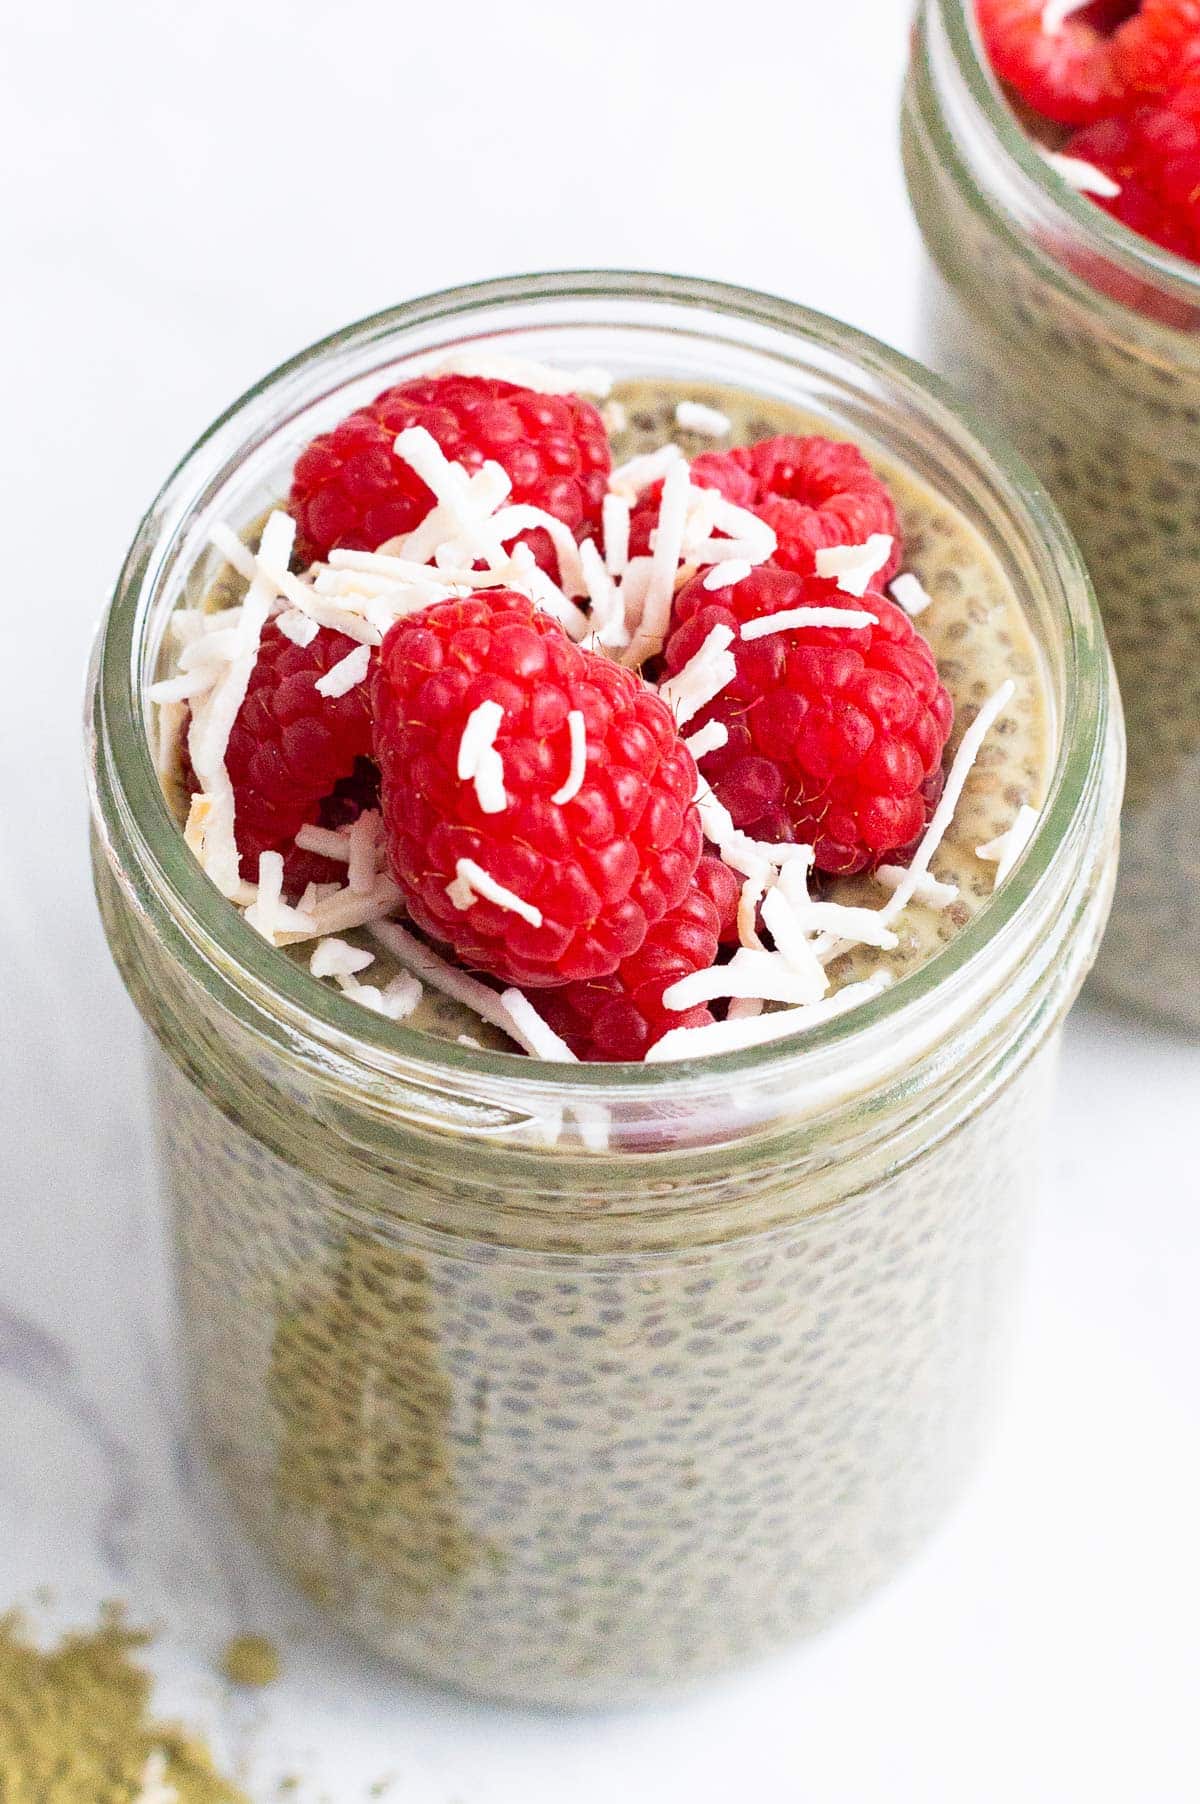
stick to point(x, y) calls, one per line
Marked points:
point(350, 489)
point(620, 1016)
point(814, 492)
point(1069, 75)
point(835, 734)
point(293, 752)
point(602, 867)
point(1155, 47)
point(1155, 157)
point(723, 887)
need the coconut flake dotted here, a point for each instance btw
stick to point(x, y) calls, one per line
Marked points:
point(346, 674)
point(364, 842)
point(473, 882)
point(1007, 847)
point(664, 562)
point(614, 521)
point(854, 566)
point(577, 728)
point(733, 1036)
point(763, 975)
point(929, 890)
point(943, 814)
point(268, 914)
point(629, 479)
point(479, 761)
point(909, 593)
point(702, 678)
point(791, 619)
point(608, 610)
point(324, 842)
point(707, 422)
point(338, 958)
point(1082, 176)
point(536, 1035)
point(300, 628)
point(212, 721)
point(708, 738)
point(724, 575)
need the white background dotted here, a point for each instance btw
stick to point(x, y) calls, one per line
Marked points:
point(193, 192)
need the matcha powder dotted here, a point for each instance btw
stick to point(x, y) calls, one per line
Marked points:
point(75, 1728)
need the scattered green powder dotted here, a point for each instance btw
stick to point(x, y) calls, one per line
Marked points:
point(251, 1660)
point(75, 1726)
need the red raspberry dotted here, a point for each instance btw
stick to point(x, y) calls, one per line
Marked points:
point(602, 867)
point(293, 753)
point(1069, 75)
point(349, 488)
point(1155, 157)
point(723, 887)
point(814, 492)
point(835, 734)
point(1158, 45)
point(620, 1016)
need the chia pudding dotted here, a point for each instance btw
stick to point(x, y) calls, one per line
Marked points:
point(1081, 339)
point(565, 1382)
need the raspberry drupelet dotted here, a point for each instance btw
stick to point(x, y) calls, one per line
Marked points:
point(813, 492)
point(1068, 73)
point(835, 734)
point(621, 1016)
point(350, 489)
point(295, 756)
point(592, 872)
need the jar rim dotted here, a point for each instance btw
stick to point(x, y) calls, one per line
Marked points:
point(1136, 256)
point(284, 994)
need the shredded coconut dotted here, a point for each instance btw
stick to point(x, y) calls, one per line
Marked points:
point(577, 728)
point(212, 721)
point(1007, 847)
point(338, 958)
point(762, 975)
point(1082, 176)
point(928, 890)
point(364, 840)
point(268, 914)
point(608, 610)
point(473, 882)
point(708, 422)
point(346, 674)
point(702, 678)
point(726, 573)
point(536, 1035)
point(324, 842)
point(708, 738)
point(909, 593)
point(478, 759)
point(790, 619)
point(300, 628)
point(732, 1036)
point(943, 814)
point(855, 565)
point(629, 479)
point(664, 562)
point(614, 520)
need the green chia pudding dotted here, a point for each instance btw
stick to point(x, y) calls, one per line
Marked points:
point(1083, 341)
point(565, 1382)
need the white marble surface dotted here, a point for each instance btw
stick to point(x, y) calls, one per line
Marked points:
point(194, 192)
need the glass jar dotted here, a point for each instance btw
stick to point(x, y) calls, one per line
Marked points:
point(562, 1383)
point(1084, 342)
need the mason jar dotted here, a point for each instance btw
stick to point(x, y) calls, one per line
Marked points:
point(568, 1382)
point(1083, 341)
